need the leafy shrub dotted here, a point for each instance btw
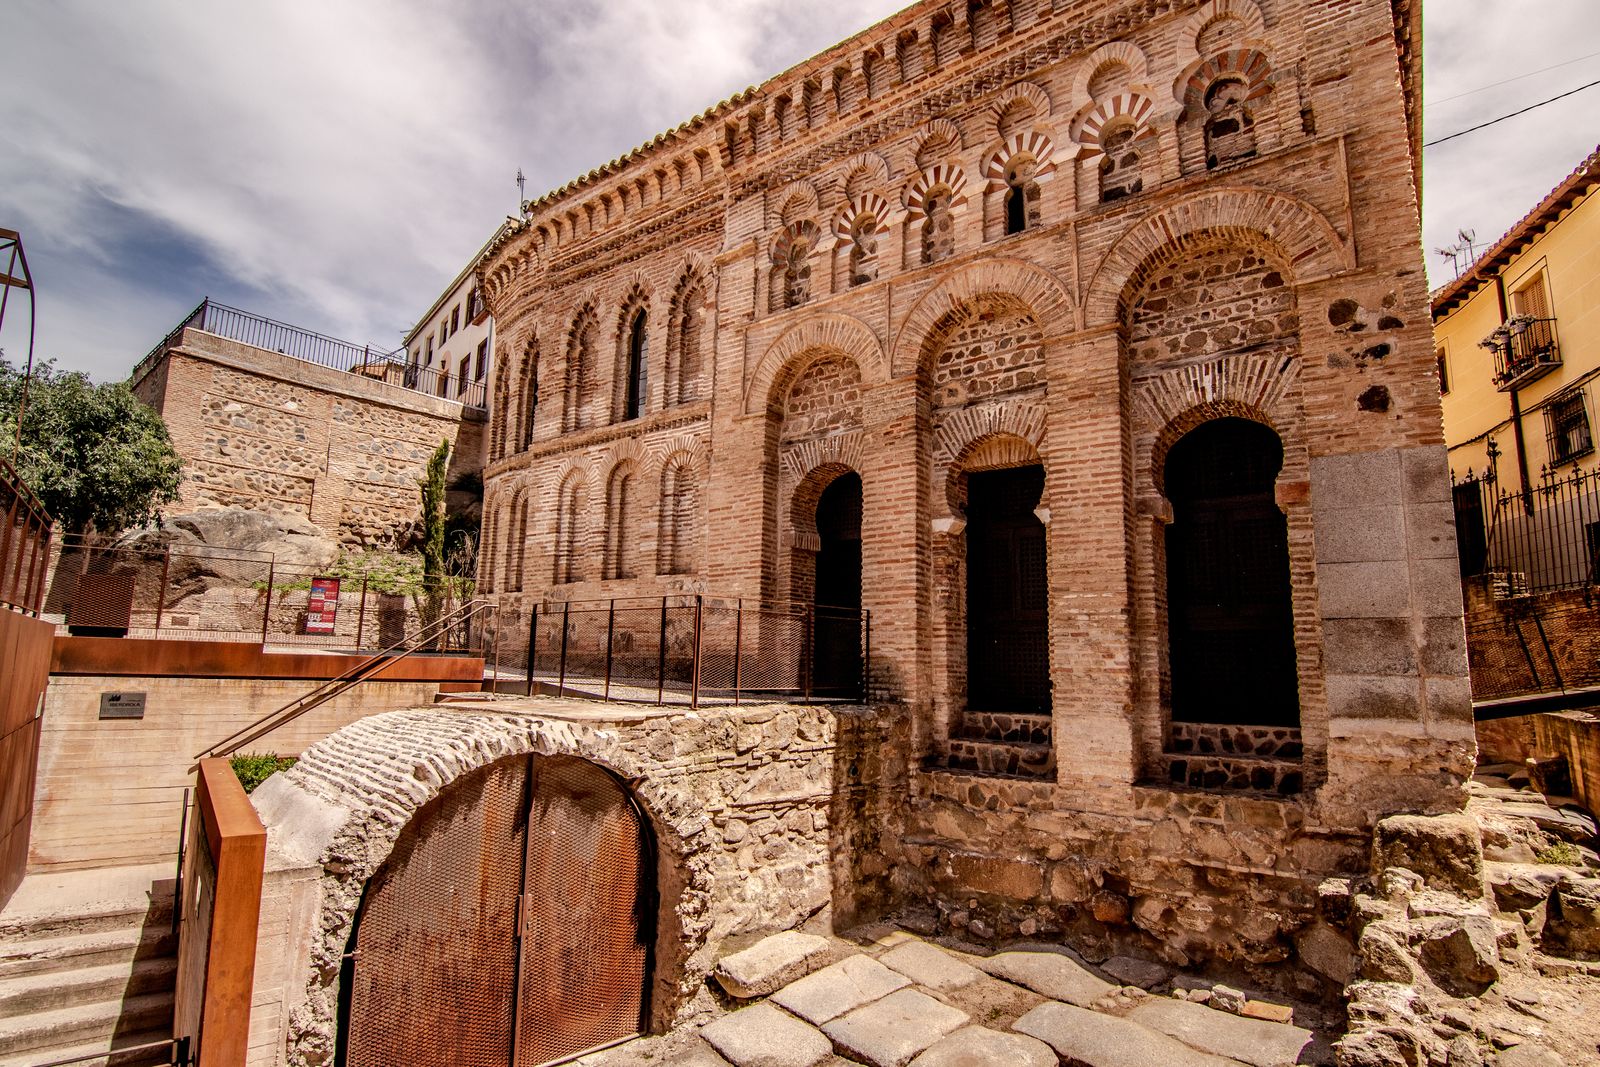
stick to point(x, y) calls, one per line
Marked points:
point(253, 768)
point(1563, 852)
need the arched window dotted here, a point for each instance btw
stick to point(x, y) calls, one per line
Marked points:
point(797, 273)
point(530, 392)
point(1121, 172)
point(568, 527)
point(579, 386)
point(1022, 196)
point(517, 551)
point(938, 226)
point(685, 335)
point(679, 501)
point(489, 557)
point(864, 250)
point(636, 368)
point(618, 556)
point(1230, 621)
point(1230, 127)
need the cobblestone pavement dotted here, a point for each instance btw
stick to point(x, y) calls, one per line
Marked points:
point(890, 999)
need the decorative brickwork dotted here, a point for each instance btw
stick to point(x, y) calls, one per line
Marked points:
point(912, 273)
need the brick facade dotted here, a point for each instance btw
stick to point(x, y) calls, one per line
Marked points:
point(265, 431)
point(1192, 187)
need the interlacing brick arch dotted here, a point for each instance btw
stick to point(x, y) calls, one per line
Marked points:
point(687, 337)
point(571, 530)
point(679, 514)
point(1235, 19)
point(786, 357)
point(1203, 412)
point(808, 490)
point(1125, 54)
point(501, 412)
point(1032, 288)
point(1114, 111)
point(526, 396)
point(622, 487)
point(489, 549)
point(867, 206)
point(1030, 144)
point(945, 176)
point(1017, 106)
point(939, 141)
point(637, 300)
point(578, 387)
point(1302, 236)
point(1247, 65)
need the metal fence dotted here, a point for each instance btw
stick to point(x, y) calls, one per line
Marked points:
point(1535, 542)
point(312, 347)
point(685, 649)
point(197, 592)
point(24, 544)
point(1533, 648)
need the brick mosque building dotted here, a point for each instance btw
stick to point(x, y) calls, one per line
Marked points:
point(1086, 345)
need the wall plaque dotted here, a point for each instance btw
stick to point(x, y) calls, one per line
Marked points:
point(122, 705)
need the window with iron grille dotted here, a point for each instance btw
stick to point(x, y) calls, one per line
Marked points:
point(483, 361)
point(1444, 371)
point(1566, 422)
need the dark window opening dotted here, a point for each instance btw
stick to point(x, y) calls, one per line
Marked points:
point(1230, 620)
point(482, 366)
point(1008, 660)
point(633, 406)
point(837, 598)
point(1566, 420)
point(1444, 372)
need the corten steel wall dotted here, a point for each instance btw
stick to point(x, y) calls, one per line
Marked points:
point(109, 790)
point(25, 666)
point(261, 430)
point(221, 896)
point(1089, 343)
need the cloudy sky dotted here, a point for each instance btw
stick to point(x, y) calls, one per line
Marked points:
point(334, 164)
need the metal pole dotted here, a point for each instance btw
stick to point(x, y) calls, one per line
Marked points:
point(266, 609)
point(611, 625)
point(661, 656)
point(806, 653)
point(694, 677)
point(183, 841)
point(561, 681)
point(738, 658)
point(7, 593)
point(36, 594)
point(866, 658)
point(161, 590)
point(533, 645)
point(361, 613)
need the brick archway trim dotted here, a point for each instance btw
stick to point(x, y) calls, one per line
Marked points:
point(834, 332)
point(353, 793)
point(1046, 298)
point(1309, 243)
point(968, 430)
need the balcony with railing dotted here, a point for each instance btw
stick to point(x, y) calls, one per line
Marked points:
point(367, 361)
point(1525, 350)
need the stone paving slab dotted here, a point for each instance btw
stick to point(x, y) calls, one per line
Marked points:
point(930, 966)
point(1255, 1041)
point(976, 1046)
point(1088, 1038)
point(891, 1031)
point(771, 963)
point(763, 1036)
point(1130, 971)
point(838, 988)
point(1048, 973)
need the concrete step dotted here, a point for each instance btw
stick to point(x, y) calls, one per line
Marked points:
point(107, 1047)
point(88, 920)
point(51, 955)
point(85, 985)
point(85, 1023)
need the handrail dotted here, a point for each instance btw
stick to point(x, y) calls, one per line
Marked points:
point(179, 1046)
point(349, 679)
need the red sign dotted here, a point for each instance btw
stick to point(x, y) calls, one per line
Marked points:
point(322, 606)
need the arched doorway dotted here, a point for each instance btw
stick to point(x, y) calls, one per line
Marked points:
point(1230, 620)
point(836, 598)
point(511, 926)
point(1008, 661)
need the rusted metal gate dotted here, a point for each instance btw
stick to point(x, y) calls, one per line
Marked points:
point(510, 927)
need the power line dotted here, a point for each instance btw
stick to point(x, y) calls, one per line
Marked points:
point(1514, 114)
point(1508, 81)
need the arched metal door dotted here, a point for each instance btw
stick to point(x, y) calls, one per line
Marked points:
point(483, 944)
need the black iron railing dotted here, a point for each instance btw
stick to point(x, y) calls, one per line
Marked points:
point(1538, 541)
point(1525, 349)
point(689, 647)
point(367, 361)
point(24, 544)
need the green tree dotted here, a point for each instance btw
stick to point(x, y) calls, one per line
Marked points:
point(99, 459)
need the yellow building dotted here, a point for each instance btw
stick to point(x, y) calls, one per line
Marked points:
point(1517, 338)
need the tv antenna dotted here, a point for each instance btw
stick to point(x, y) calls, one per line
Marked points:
point(1464, 253)
point(522, 192)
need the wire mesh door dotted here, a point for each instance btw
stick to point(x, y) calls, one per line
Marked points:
point(588, 915)
point(434, 979)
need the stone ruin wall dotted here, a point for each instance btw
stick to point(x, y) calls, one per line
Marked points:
point(1283, 287)
point(764, 816)
point(263, 431)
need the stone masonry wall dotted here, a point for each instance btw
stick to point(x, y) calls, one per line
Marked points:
point(261, 430)
point(763, 816)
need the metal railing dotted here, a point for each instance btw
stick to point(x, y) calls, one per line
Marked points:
point(24, 544)
point(689, 647)
point(1525, 350)
point(176, 1047)
point(377, 364)
point(1535, 542)
point(198, 592)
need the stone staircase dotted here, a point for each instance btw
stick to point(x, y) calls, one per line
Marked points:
point(87, 977)
point(1002, 744)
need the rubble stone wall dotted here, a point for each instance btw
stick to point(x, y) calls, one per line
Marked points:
point(763, 816)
